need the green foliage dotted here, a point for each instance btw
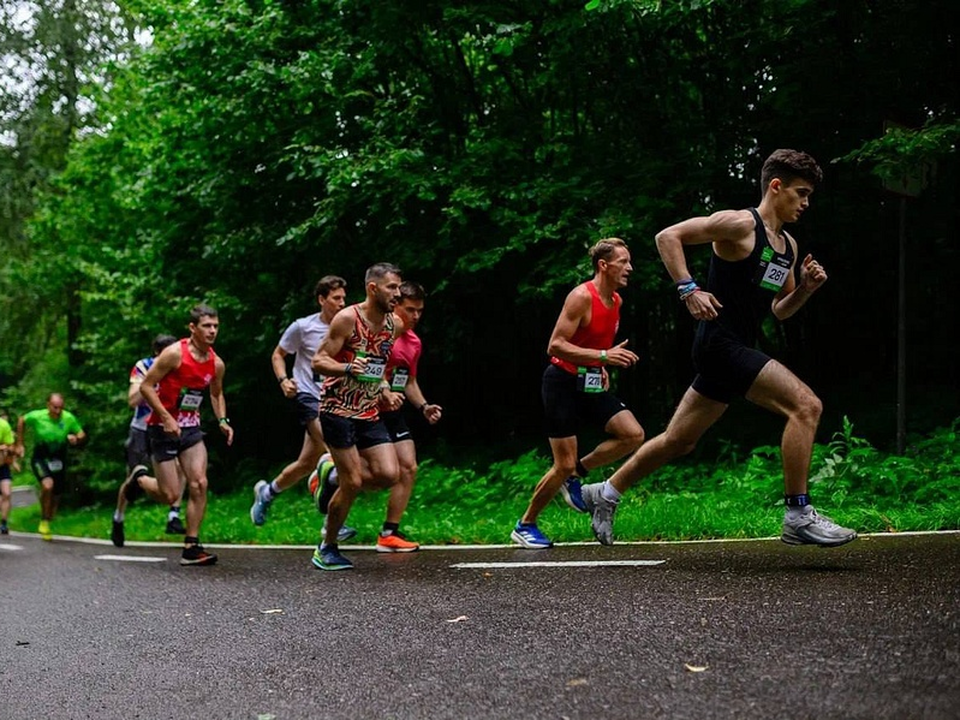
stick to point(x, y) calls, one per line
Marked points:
point(476, 503)
point(251, 147)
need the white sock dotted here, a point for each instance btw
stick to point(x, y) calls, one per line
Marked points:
point(609, 493)
point(332, 478)
point(118, 516)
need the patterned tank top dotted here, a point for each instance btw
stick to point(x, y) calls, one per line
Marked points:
point(357, 397)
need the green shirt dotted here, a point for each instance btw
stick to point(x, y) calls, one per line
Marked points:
point(6, 433)
point(49, 432)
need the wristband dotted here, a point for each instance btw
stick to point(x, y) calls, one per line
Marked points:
point(603, 357)
point(280, 380)
point(687, 288)
point(347, 371)
point(423, 407)
point(223, 420)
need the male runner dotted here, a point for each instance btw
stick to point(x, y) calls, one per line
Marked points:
point(576, 387)
point(401, 374)
point(353, 360)
point(7, 445)
point(54, 430)
point(751, 271)
point(139, 480)
point(173, 388)
point(301, 338)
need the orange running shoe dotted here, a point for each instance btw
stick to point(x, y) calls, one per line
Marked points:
point(395, 542)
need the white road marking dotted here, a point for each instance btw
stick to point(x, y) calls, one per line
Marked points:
point(561, 563)
point(10, 547)
point(130, 558)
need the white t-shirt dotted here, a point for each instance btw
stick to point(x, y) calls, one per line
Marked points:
point(302, 338)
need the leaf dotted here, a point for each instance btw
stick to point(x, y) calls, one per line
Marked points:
point(695, 668)
point(459, 618)
point(273, 611)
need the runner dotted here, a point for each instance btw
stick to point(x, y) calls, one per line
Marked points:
point(751, 270)
point(353, 359)
point(173, 388)
point(138, 480)
point(575, 387)
point(7, 446)
point(302, 338)
point(54, 430)
point(401, 373)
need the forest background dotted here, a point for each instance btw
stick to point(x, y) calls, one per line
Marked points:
point(157, 154)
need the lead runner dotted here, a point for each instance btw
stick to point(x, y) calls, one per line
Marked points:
point(751, 272)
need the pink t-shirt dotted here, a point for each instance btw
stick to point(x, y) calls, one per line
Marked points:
point(402, 363)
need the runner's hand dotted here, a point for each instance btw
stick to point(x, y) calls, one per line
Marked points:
point(703, 305)
point(812, 274)
point(432, 413)
point(619, 356)
point(289, 388)
point(228, 431)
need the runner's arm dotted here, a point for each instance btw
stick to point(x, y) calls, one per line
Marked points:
point(166, 362)
point(415, 395)
point(794, 295)
point(218, 402)
point(324, 359)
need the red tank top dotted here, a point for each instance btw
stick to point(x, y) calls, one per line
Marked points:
point(181, 391)
point(599, 332)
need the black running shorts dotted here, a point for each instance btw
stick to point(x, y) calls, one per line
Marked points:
point(566, 407)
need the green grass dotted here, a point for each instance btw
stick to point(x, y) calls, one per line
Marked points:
point(736, 497)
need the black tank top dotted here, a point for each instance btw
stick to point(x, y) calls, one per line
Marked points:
point(746, 288)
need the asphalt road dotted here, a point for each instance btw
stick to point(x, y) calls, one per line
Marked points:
point(717, 630)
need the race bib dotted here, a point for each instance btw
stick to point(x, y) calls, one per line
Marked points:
point(400, 378)
point(374, 372)
point(54, 465)
point(590, 379)
point(190, 400)
point(773, 270)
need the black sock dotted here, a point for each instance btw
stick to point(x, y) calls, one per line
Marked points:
point(389, 528)
point(191, 541)
point(581, 470)
point(797, 501)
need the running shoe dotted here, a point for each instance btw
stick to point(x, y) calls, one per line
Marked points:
point(572, 495)
point(812, 528)
point(329, 558)
point(131, 486)
point(44, 529)
point(325, 488)
point(196, 555)
point(601, 511)
point(258, 511)
point(116, 534)
point(529, 536)
point(343, 534)
point(4, 530)
point(395, 542)
point(175, 526)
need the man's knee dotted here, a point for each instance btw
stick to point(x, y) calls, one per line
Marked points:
point(809, 408)
point(632, 437)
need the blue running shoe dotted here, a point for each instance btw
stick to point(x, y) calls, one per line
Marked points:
point(572, 495)
point(529, 536)
point(258, 511)
point(329, 558)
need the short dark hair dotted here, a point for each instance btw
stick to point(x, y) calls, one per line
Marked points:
point(603, 250)
point(410, 290)
point(328, 283)
point(161, 341)
point(789, 165)
point(202, 310)
point(379, 271)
